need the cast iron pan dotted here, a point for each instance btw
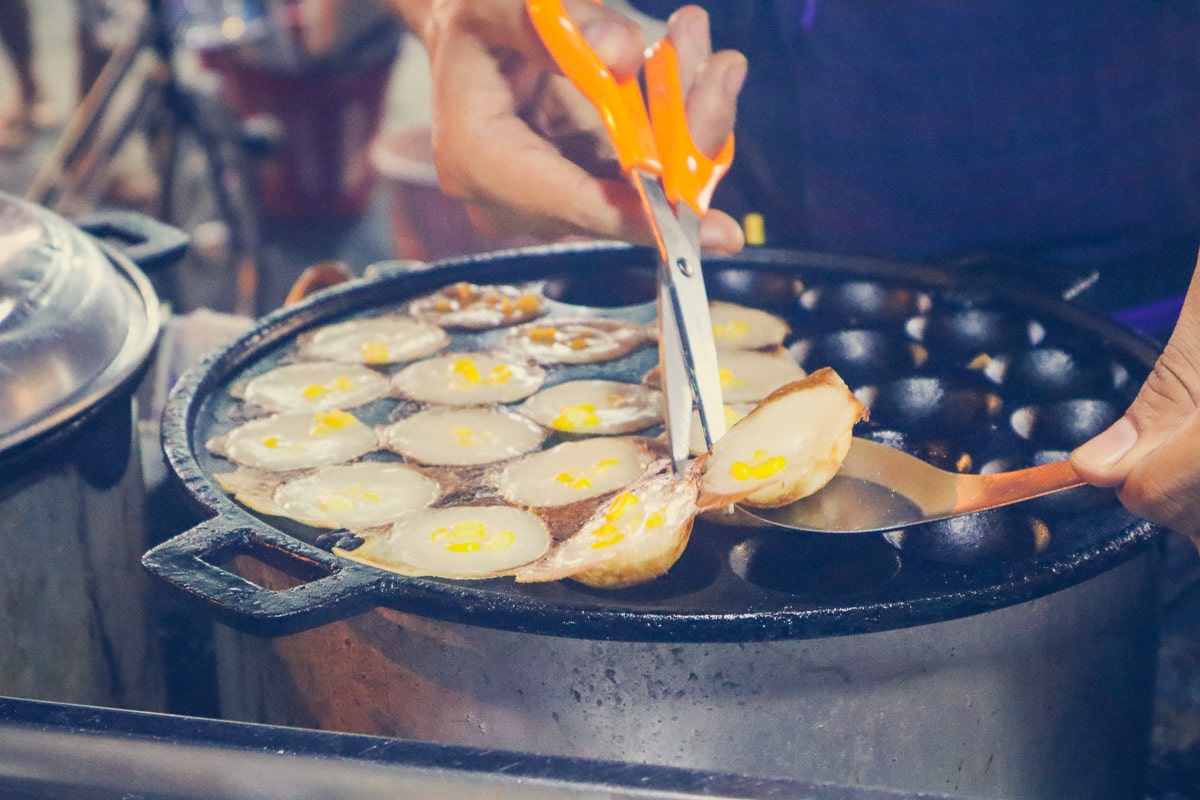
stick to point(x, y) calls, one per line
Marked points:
point(957, 367)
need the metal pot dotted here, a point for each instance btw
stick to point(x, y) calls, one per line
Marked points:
point(78, 323)
point(992, 656)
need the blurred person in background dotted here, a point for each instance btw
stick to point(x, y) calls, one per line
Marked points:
point(26, 109)
point(1062, 131)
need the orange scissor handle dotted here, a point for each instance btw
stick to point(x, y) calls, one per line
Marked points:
point(619, 102)
point(688, 175)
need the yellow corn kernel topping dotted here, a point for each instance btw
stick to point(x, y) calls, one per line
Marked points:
point(733, 331)
point(760, 466)
point(570, 418)
point(619, 505)
point(501, 541)
point(314, 391)
point(543, 335)
point(271, 441)
point(335, 503)
point(344, 500)
point(582, 479)
point(606, 536)
point(728, 379)
point(335, 418)
point(471, 536)
point(622, 511)
point(465, 537)
point(528, 303)
point(468, 369)
point(329, 421)
point(464, 291)
point(374, 352)
point(574, 480)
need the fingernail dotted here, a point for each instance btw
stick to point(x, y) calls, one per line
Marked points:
point(1107, 448)
point(735, 76)
point(692, 27)
point(607, 38)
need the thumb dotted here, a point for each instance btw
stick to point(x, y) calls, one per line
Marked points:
point(1102, 460)
point(1152, 454)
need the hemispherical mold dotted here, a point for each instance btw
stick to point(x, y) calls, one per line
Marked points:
point(959, 336)
point(996, 448)
point(932, 404)
point(860, 356)
point(816, 566)
point(987, 537)
point(612, 287)
point(1064, 425)
point(761, 289)
point(864, 303)
point(1048, 374)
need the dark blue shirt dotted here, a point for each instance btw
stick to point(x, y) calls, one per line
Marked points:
point(933, 128)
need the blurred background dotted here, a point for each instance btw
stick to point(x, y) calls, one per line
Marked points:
point(260, 134)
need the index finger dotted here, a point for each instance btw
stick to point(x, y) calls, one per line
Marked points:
point(505, 24)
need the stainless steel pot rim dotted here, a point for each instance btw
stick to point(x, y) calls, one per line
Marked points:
point(553, 610)
point(111, 303)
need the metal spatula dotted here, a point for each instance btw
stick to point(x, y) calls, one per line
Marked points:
point(880, 488)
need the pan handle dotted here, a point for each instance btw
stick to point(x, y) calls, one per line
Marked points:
point(302, 586)
point(144, 240)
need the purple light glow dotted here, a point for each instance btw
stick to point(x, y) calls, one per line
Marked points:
point(808, 14)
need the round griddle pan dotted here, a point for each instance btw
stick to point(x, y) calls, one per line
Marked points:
point(956, 367)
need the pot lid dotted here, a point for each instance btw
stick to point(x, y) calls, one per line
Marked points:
point(74, 323)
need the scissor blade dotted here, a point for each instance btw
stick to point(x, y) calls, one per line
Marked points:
point(677, 387)
point(683, 282)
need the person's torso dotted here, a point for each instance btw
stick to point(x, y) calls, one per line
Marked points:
point(931, 128)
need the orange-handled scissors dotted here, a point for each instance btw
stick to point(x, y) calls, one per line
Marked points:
point(676, 182)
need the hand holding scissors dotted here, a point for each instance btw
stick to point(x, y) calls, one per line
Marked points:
point(675, 181)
